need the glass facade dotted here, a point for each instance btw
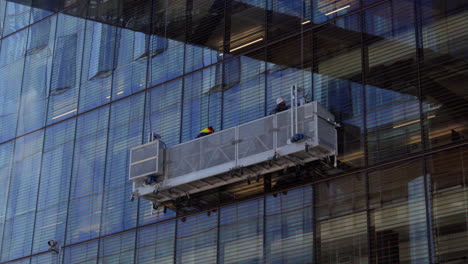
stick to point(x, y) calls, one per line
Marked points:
point(82, 82)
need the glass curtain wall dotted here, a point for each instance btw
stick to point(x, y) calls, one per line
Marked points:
point(82, 82)
point(393, 214)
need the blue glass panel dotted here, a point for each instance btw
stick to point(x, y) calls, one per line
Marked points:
point(241, 233)
point(171, 55)
point(164, 109)
point(155, 244)
point(98, 65)
point(366, 2)
point(49, 258)
point(86, 253)
point(202, 101)
point(279, 82)
point(22, 261)
point(16, 16)
point(245, 95)
point(6, 155)
point(46, 8)
point(24, 186)
point(288, 16)
point(54, 185)
point(88, 176)
point(198, 57)
point(125, 132)
point(198, 233)
point(132, 63)
point(393, 121)
point(325, 10)
point(3, 4)
point(118, 249)
point(337, 81)
point(11, 75)
point(147, 215)
point(66, 68)
point(289, 234)
point(294, 8)
point(37, 70)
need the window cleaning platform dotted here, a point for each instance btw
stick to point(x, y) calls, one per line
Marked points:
point(244, 152)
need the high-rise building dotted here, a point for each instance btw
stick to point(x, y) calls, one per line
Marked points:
point(84, 81)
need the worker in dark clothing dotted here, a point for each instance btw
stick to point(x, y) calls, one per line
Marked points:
point(280, 106)
point(206, 131)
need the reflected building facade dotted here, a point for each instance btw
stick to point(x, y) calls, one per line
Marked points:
point(82, 82)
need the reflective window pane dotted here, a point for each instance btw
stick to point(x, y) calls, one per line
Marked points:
point(156, 244)
point(164, 111)
point(66, 68)
point(17, 16)
point(338, 85)
point(399, 214)
point(393, 119)
point(288, 227)
point(125, 132)
point(449, 179)
point(118, 249)
point(342, 220)
point(54, 185)
point(85, 205)
point(443, 76)
point(83, 253)
point(11, 73)
point(241, 233)
point(37, 70)
point(24, 185)
point(196, 239)
point(328, 9)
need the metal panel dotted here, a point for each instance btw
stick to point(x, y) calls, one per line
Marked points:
point(183, 159)
point(145, 151)
point(323, 112)
point(256, 137)
point(146, 160)
point(327, 134)
point(283, 121)
point(143, 168)
point(217, 149)
point(306, 121)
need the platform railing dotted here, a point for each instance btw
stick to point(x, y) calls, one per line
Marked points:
point(243, 145)
point(237, 147)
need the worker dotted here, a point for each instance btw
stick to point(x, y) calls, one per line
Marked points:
point(206, 131)
point(301, 97)
point(280, 106)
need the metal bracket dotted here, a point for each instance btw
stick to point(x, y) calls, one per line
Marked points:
point(156, 190)
point(134, 194)
point(328, 120)
point(232, 171)
point(274, 157)
point(233, 142)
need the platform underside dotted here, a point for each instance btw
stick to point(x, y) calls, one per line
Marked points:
point(165, 192)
